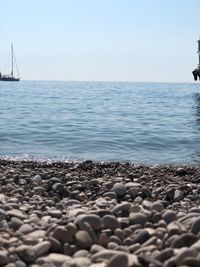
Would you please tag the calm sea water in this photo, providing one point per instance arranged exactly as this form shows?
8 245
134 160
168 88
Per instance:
138 122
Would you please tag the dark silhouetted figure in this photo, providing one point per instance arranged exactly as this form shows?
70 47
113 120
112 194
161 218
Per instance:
196 74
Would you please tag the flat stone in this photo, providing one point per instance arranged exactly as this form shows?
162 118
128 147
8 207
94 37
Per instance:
169 216
119 189
96 248
132 185
78 262
146 192
27 253
183 254
37 179
195 228
124 207
20 263
3 258
185 240
42 248
56 245
87 227
196 246
82 253
142 236
62 234
107 254
57 259
15 223
92 219
17 213
137 218
157 205
178 195
25 229
36 234
55 213
111 195
102 264
39 190
120 260
70 202
110 222
165 254
192 262
189 218
175 228
83 240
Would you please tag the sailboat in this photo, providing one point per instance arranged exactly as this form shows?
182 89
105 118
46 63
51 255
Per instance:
11 77
196 72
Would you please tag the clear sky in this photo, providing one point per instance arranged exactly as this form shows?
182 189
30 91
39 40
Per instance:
101 40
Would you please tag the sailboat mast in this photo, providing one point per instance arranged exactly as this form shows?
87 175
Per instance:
12 59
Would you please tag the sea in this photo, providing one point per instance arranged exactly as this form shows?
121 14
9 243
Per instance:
150 123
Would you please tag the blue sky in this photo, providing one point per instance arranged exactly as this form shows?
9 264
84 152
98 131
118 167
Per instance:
101 40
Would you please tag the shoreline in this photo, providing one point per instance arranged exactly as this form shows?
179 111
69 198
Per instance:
99 214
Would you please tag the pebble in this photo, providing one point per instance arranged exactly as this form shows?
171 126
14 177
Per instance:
25 229
137 218
15 223
183 254
169 216
3 258
37 179
141 237
195 228
62 234
178 195
17 213
119 189
165 254
120 260
26 253
158 206
123 207
77 262
55 258
92 219
184 240
83 240
110 222
55 213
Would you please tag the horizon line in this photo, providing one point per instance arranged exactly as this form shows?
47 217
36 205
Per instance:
104 81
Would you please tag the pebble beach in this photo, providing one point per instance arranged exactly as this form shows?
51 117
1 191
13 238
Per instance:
99 214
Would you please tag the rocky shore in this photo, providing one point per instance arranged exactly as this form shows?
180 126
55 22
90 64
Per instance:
90 214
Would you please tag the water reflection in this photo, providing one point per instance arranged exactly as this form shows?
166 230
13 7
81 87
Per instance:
196 152
197 107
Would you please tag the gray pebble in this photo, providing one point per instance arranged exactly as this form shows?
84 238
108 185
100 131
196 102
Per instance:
37 179
185 240
169 216
137 218
62 234
178 195
195 228
158 206
92 219
77 262
120 260
119 189
3 258
110 221
83 240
